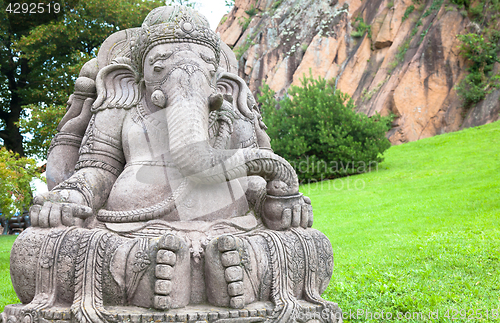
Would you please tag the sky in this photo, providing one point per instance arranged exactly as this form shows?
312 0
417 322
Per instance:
214 10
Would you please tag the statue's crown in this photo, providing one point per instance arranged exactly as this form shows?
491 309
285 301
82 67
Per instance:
173 24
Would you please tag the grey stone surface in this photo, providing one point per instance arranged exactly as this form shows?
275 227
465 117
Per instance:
167 202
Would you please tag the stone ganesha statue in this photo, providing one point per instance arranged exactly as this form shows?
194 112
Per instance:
166 202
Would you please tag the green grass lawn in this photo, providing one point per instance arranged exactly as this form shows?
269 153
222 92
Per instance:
419 235
7 294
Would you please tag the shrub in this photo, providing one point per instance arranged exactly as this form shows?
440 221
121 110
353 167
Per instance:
408 12
471 88
461 3
16 174
482 54
361 28
317 130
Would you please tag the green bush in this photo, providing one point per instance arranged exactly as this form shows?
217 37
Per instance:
481 52
317 130
460 3
471 88
408 12
361 28
482 55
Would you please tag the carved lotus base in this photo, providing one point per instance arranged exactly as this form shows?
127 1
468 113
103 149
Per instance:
256 312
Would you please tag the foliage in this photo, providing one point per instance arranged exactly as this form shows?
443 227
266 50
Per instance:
481 49
408 12
239 51
361 28
252 11
41 55
482 54
38 123
421 234
435 6
223 20
16 174
229 3
317 130
244 22
276 4
472 88
461 3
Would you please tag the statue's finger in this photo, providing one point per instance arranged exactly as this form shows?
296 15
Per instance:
76 107
286 218
43 216
311 218
55 215
82 211
304 219
307 200
34 213
86 110
39 199
73 110
67 218
296 215
88 103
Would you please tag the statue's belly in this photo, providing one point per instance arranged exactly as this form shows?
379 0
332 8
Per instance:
150 178
143 186
140 186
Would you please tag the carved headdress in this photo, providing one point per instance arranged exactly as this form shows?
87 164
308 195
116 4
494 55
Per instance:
172 24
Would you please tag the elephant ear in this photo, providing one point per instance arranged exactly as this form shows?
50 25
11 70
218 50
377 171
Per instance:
117 86
235 90
233 86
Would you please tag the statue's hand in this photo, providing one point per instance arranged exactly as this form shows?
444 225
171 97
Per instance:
284 212
59 208
78 116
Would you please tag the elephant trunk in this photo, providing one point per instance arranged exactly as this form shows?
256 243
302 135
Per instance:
187 119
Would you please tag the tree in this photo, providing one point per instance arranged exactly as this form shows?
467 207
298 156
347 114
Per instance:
15 176
318 131
41 55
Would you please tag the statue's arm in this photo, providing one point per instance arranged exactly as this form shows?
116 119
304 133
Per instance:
100 162
63 151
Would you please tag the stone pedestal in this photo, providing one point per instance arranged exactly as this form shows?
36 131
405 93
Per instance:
256 312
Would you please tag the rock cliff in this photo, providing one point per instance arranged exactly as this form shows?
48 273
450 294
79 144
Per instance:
399 57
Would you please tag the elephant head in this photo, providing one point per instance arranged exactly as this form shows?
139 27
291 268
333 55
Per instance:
174 67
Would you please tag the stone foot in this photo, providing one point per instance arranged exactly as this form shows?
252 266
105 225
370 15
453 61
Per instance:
230 272
170 273
230 248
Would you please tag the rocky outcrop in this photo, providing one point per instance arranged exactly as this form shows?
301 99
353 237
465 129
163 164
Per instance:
406 62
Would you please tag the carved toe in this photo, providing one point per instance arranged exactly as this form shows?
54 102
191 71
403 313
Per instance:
227 243
170 242
166 259
230 258
229 248
162 302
